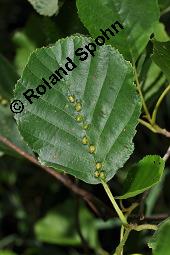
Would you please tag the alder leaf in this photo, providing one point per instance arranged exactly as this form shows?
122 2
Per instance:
143 176
44 7
103 114
160 240
8 78
8 127
161 56
137 17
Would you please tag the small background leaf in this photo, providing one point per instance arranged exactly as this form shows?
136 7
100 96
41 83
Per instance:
59 226
161 56
44 7
8 127
164 4
160 240
155 80
143 176
24 48
138 18
160 33
7 252
154 195
8 78
10 131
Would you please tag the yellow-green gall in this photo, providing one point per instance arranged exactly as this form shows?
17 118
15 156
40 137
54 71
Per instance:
85 126
97 174
79 118
4 102
102 175
85 140
78 107
98 165
92 149
71 99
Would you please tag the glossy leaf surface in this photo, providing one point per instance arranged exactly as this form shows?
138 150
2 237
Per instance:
143 176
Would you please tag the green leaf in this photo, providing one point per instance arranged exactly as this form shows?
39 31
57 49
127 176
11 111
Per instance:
8 78
10 131
153 196
7 252
137 17
164 4
154 81
24 48
143 176
8 127
59 226
44 7
103 90
55 228
1 153
161 57
160 240
160 33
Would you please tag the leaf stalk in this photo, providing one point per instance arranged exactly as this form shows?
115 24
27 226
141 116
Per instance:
115 205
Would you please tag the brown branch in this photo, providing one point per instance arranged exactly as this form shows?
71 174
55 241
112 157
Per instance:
151 219
99 208
142 205
164 132
167 154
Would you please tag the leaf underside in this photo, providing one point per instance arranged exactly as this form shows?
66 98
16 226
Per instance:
104 86
8 127
46 8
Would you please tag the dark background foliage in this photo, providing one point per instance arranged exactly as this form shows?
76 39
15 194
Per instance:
27 194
